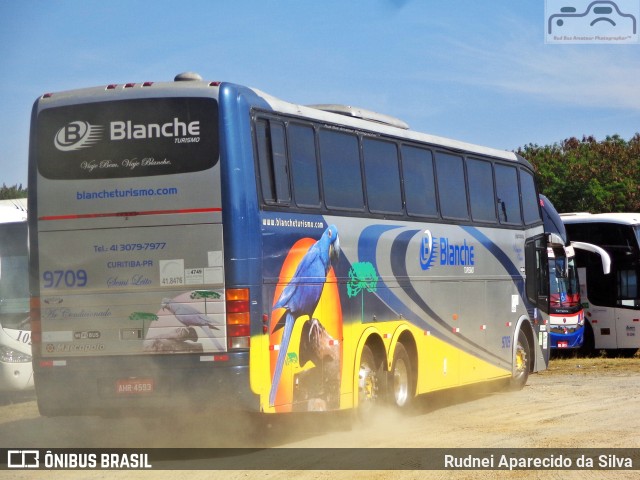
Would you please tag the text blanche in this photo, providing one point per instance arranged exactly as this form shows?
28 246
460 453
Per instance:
183 132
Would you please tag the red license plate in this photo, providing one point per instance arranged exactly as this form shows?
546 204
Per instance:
134 386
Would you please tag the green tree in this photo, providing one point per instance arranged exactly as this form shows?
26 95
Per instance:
7 193
362 276
589 175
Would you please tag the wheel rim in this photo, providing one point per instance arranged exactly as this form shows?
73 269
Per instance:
521 361
401 383
367 384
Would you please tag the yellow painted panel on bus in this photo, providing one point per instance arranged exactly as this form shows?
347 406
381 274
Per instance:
445 365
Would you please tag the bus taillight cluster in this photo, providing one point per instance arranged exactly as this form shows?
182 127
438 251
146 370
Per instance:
238 317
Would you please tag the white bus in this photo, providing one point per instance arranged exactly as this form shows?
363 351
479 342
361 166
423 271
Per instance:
16 373
204 244
611 300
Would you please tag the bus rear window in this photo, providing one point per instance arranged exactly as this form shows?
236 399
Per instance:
129 138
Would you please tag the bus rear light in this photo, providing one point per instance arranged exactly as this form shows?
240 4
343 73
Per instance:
112 86
238 330
53 363
214 84
47 95
129 85
147 84
238 343
238 318
237 306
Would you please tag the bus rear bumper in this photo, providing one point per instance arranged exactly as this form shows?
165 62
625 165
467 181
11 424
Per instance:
160 384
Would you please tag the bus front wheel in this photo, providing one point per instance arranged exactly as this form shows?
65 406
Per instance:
522 363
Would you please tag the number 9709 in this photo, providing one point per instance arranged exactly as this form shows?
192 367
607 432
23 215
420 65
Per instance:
67 278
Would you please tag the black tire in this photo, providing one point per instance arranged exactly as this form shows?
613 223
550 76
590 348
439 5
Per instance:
522 365
622 353
588 344
401 384
368 383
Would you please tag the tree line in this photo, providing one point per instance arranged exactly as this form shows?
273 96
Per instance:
16 191
589 175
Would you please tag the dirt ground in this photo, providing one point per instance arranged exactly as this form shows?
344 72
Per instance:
584 403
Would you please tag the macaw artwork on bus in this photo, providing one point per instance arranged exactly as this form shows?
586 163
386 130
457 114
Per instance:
184 323
306 327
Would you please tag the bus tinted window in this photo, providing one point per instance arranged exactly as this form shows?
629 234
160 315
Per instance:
481 191
279 156
419 184
304 171
273 162
14 278
382 176
452 190
264 159
508 195
341 175
627 287
530 205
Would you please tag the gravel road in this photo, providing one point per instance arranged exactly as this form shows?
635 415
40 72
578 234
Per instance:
588 404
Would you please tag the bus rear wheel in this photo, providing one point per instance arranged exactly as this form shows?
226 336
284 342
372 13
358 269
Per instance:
401 389
368 383
522 364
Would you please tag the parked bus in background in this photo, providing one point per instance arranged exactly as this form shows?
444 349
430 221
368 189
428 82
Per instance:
611 300
198 243
566 317
16 373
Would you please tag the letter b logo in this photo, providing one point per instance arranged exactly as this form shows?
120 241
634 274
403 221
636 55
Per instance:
77 135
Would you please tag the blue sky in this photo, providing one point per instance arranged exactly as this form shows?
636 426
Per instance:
465 69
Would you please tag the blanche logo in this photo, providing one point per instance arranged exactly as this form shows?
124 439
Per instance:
77 135
448 253
428 251
591 21
80 134
128 130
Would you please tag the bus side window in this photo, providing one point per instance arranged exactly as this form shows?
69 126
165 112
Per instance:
304 169
627 288
272 159
341 173
382 176
601 288
530 203
481 190
508 196
452 189
419 182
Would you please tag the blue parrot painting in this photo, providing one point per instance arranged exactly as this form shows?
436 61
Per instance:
191 317
301 295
